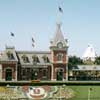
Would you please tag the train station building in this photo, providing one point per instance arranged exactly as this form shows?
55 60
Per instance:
36 65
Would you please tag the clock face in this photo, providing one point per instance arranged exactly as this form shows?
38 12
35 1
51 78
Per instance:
59 45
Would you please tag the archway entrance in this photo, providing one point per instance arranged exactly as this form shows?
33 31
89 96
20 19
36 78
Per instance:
8 74
59 74
34 75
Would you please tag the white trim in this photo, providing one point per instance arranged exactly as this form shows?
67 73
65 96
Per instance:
16 73
0 72
52 70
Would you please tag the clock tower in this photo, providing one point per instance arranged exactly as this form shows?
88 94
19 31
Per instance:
59 53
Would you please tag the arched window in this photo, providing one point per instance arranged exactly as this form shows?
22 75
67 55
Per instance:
23 71
60 75
59 57
10 55
44 72
25 59
35 59
8 74
46 59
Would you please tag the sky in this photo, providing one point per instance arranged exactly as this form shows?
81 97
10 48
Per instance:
38 18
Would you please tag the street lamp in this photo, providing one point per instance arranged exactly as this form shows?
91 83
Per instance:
89 93
64 86
60 92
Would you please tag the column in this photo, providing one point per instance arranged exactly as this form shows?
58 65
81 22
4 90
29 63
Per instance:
16 73
0 72
52 72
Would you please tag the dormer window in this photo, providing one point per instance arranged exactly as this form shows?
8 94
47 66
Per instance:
25 59
60 45
59 57
35 59
10 56
46 59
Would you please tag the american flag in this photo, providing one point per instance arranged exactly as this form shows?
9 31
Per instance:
60 9
32 45
33 42
12 34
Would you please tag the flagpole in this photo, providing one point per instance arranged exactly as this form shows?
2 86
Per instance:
60 92
59 12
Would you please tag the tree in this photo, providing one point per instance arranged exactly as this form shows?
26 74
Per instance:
73 61
97 60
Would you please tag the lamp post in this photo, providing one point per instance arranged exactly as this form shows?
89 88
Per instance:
89 93
60 92
64 87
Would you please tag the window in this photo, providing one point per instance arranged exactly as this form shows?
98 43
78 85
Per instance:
25 59
23 72
46 59
60 57
44 72
35 59
8 76
28 70
10 56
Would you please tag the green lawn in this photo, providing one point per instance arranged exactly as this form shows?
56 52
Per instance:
81 92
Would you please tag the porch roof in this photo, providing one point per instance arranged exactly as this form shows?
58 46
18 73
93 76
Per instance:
86 67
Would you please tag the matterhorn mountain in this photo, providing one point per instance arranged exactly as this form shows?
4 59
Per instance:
89 53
